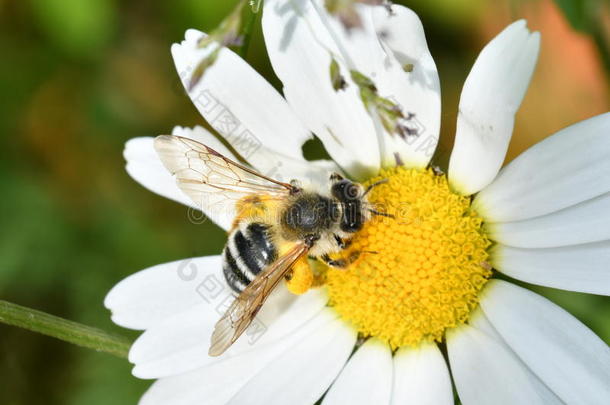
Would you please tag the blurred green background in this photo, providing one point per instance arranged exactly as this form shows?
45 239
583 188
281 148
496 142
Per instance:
79 78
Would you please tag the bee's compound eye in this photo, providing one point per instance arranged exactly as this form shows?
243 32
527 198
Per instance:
351 191
345 190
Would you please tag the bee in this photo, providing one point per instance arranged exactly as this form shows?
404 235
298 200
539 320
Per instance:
277 225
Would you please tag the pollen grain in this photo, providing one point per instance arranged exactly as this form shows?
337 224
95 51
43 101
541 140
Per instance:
419 272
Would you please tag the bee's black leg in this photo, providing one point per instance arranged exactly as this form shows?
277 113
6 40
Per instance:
344 262
341 242
334 263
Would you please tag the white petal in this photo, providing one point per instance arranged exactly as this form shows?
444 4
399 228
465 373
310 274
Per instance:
304 372
421 377
581 268
211 385
218 382
565 169
479 321
485 371
282 314
239 103
582 223
490 98
567 356
418 92
366 378
176 345
181 343
154 294
300 48
144 166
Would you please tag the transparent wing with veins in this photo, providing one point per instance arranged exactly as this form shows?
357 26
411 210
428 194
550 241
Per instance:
242 311
212 180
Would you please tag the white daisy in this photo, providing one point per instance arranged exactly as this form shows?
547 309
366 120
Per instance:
543 219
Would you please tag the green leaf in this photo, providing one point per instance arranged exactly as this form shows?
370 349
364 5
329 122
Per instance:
63 329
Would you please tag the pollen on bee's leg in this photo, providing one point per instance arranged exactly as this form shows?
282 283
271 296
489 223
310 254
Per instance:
301 277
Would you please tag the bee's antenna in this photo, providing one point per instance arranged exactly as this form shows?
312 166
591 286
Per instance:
377 183
381 214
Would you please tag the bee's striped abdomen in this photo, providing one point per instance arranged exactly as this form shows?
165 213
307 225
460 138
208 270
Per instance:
248 251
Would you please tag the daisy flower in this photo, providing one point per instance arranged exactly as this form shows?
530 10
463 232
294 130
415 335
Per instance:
428 312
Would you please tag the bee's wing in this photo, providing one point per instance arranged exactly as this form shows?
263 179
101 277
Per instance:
211 179
245 307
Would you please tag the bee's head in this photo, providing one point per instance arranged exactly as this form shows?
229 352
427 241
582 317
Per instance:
351 197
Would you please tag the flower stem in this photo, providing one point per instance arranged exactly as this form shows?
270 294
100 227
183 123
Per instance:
602 43
250 14
63 329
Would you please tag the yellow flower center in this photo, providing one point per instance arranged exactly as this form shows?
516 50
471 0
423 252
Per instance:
417 273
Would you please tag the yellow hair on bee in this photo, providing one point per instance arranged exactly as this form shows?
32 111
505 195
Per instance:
261 208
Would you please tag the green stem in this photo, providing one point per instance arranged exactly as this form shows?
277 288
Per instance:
602 45
63 329
251 9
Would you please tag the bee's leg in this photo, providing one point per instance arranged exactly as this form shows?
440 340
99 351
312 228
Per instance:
340 263
346 261
296 186
342 243
310 239
299 278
